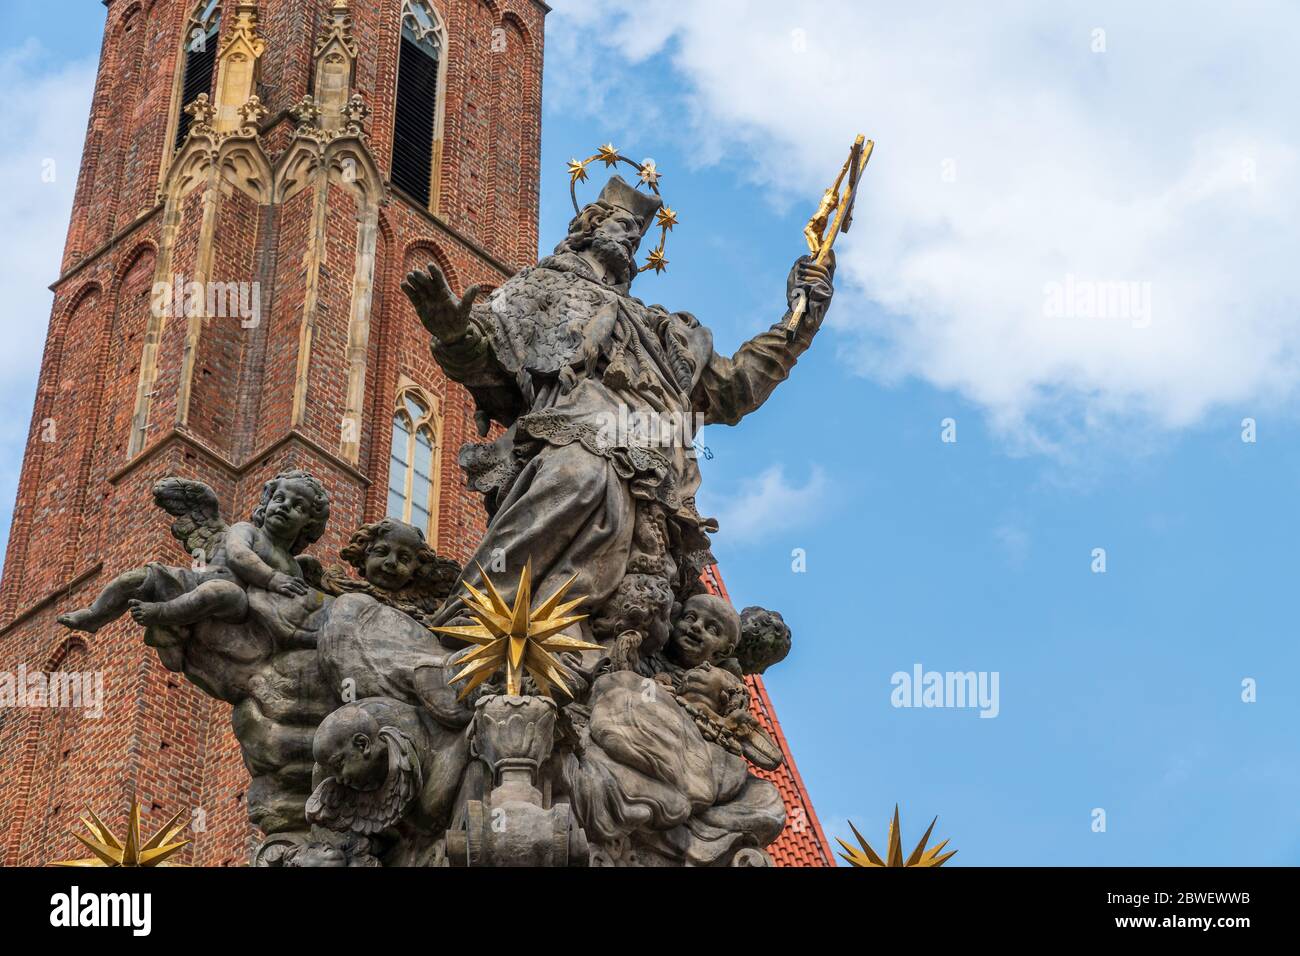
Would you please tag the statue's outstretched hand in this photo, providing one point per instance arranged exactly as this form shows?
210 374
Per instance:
445 316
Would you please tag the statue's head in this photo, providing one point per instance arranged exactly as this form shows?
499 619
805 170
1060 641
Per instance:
390 554
643 603
317 854
610 229
707 630
349 747
294 509
764 640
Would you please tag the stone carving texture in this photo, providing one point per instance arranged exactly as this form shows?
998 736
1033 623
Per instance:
361 748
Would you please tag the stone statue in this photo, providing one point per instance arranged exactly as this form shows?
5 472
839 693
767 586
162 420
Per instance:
260 552
347 692
560 355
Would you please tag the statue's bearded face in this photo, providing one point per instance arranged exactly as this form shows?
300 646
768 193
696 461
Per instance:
610 235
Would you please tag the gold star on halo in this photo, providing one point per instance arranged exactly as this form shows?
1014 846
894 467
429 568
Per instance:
864 856
515 637
650 175
656 260
666 217
578 170
608 154
110 851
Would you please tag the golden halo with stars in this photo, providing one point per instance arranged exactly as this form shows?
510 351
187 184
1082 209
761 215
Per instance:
648 175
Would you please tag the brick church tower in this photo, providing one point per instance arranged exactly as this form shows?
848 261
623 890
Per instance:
291 160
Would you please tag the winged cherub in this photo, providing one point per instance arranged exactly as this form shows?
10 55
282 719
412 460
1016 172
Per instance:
261 552
368 766
396 567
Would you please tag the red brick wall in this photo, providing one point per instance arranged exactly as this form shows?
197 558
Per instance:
84 512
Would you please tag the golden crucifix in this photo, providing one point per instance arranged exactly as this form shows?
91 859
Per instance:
821 231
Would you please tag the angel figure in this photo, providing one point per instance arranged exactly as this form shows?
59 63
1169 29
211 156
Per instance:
369 766
261 552
702 672
397 568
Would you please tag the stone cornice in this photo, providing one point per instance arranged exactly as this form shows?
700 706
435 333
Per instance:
182 436
45 601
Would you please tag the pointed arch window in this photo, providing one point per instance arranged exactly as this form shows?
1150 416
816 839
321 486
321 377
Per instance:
198 60
413 461
417 126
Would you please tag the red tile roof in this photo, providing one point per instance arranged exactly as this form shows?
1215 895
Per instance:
802 842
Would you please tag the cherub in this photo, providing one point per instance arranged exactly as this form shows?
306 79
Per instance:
321 848
764 640
261 552
705 678
368 766
397 567
635 620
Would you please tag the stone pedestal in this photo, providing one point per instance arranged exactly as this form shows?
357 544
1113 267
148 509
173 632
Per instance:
512 825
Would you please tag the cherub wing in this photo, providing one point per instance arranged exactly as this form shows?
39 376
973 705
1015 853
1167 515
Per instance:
370 811
198 525
332 805
404 776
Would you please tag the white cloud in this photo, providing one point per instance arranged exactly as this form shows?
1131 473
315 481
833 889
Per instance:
1014 541
1171 159
770 503
44 118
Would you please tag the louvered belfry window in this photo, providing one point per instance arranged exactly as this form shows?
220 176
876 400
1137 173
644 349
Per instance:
415 126
199 57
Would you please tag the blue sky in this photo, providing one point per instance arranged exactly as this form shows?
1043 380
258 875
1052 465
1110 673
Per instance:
1014 150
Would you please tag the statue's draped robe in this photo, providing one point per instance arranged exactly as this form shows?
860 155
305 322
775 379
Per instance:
572 366
562 360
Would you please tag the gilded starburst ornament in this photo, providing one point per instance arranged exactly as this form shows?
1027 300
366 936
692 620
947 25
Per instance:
666 217
111 851
577 171
650 174
863 855
608 154
516 638
655 260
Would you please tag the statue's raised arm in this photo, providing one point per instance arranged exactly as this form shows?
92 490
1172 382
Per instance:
731 388
462 344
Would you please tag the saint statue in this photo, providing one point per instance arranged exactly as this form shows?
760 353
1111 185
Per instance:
599 397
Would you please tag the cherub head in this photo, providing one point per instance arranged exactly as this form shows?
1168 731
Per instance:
707 631
390 554
293 510
349 747
764 640
369 769
642 603
317 854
